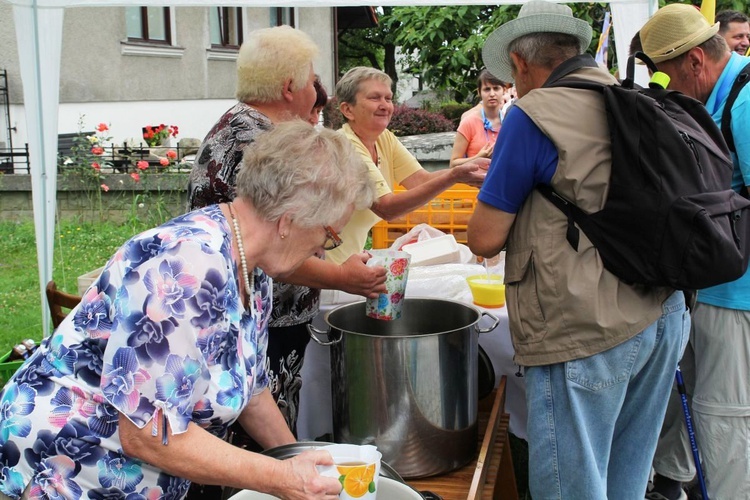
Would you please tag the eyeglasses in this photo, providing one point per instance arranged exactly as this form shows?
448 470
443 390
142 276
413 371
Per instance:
333 240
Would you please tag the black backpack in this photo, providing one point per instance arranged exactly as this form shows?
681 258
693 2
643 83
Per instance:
670 217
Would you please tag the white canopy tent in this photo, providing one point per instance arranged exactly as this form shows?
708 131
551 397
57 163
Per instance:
39 24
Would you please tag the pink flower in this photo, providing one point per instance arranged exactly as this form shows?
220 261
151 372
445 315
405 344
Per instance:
97 150
398 266
105 188
96 166
163 162
142 165
136 177
171 154
102 127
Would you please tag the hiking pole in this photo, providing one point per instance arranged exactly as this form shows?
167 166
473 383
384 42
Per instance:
691 432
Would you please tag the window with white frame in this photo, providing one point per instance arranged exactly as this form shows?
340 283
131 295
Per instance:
149 24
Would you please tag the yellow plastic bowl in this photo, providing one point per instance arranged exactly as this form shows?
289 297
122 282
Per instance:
487 291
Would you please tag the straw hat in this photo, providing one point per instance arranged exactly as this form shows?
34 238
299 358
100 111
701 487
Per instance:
673 30
536 16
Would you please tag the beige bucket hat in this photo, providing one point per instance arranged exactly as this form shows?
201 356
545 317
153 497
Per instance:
536 16
673 30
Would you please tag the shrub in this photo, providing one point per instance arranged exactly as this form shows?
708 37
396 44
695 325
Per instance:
410 121
405 120
332 117
454 110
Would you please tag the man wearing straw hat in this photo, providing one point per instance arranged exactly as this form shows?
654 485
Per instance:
599 355
717 359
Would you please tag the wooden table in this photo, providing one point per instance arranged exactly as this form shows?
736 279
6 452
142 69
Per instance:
490 475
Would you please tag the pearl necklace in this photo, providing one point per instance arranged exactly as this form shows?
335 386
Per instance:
249 278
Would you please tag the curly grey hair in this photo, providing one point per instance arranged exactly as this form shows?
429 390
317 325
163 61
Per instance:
348 86
268 58
313 174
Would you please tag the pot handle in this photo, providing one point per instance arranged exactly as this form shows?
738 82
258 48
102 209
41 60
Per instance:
495 321
312 330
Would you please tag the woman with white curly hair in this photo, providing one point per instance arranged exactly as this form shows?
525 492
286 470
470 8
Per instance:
134 393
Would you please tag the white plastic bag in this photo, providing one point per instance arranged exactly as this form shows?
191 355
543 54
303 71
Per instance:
496 264
442 281
417 233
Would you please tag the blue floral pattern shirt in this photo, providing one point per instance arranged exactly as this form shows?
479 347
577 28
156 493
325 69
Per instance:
160 336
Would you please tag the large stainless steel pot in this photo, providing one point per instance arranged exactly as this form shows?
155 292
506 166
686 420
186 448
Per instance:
408 386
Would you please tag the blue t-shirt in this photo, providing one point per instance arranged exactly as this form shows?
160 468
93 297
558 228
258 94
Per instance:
523 157
735 294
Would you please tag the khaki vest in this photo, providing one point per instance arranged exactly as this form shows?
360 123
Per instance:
563 304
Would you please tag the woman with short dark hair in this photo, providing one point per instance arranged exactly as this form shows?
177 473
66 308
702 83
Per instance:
478 131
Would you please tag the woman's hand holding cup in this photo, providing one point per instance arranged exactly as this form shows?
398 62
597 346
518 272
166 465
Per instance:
303 470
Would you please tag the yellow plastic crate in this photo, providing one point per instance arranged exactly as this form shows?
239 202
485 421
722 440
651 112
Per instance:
448 212
8 368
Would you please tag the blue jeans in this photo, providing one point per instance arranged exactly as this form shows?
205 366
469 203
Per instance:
594 422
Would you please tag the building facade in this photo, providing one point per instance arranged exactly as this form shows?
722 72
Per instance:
130 67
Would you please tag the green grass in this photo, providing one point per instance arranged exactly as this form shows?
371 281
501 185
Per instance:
79 248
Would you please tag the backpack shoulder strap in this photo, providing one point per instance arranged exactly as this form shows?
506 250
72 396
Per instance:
629 81
570 210
726 116
577 83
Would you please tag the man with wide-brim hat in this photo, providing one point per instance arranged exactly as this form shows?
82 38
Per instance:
716 363
534 17
599 355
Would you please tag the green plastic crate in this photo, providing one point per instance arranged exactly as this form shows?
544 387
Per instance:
8 368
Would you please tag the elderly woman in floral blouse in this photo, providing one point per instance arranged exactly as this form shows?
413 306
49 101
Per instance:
133 394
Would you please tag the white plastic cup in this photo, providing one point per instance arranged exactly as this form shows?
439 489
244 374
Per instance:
356 467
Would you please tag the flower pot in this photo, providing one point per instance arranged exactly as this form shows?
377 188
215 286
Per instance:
159 136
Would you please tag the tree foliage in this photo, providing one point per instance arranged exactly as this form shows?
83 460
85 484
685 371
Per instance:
372 47
444 44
